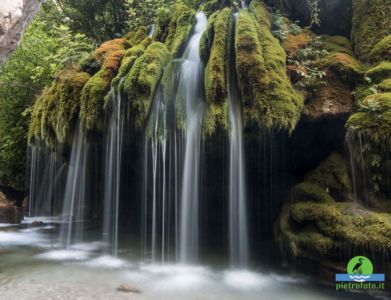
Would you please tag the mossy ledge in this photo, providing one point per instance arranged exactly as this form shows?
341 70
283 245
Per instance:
269 100
57 109
141 81
215 79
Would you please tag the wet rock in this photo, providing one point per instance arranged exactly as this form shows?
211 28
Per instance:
126 288
9 212
37 223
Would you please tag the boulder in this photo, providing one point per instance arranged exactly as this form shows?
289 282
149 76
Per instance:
9 212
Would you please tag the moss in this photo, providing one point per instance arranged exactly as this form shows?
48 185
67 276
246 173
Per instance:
135 37
216 74
346 66
179 29
371 23
130 57
380 71
141 81
307 191
381 51
293 43
56 110
94 92
337 43
207 38
385 85
346 222
373 121
210 7
269 99
108 47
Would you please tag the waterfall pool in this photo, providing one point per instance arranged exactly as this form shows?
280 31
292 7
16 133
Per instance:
34 266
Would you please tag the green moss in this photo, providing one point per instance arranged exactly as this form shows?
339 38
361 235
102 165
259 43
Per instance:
380 71
130 57
210 7
371 23
207 38
56 110
385 85
307 191
108 47
135 37
94 92
373 121
346 222
179 29
382 50
337 43
141 81
216 74
346 66
269 100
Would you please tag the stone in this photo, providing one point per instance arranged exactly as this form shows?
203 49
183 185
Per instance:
126 288
9 213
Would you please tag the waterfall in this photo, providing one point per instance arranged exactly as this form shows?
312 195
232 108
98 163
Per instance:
152 30
237 175
74 205
46 170
243 4
192 71
172 158
112 172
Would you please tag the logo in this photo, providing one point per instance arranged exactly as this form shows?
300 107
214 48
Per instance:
359 276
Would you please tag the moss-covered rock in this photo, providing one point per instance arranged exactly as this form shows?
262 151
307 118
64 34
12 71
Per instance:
331 100
269 100
211 6
373 120
216 73
207 38
141 81
337 43
379 72
108 47
95 90
371 23
318 224
55 112
381 51
179 28
9 213
346 66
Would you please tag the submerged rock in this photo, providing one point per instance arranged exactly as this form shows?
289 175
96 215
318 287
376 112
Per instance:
129 289
9 213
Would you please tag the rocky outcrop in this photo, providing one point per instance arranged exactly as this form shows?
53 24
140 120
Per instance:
9 212
15 16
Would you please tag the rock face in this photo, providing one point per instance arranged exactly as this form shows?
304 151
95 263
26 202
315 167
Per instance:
15 15
334 14
9 213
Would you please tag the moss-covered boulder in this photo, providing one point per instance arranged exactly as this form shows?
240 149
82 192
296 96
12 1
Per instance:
56 111
293 43
320 222
140 82
371 23
337 43
344 65
385 85
216 71
269 100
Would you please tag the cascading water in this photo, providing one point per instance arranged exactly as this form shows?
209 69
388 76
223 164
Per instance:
191 78
237 175
46 172
112 173
73 213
